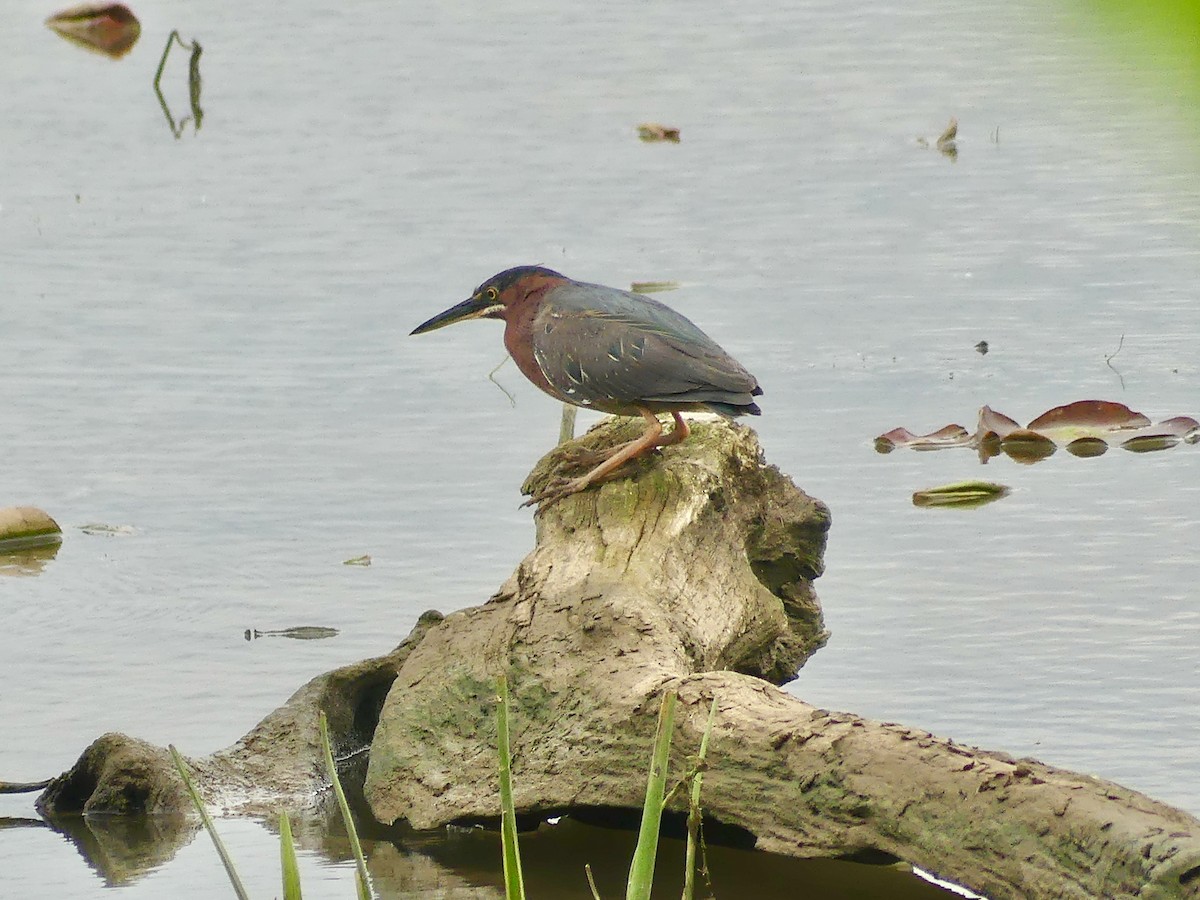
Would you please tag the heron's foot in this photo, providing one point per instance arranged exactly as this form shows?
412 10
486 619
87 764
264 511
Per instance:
554 490
559 487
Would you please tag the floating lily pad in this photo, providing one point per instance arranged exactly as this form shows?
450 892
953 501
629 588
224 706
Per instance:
108 28
961 494
950 436
1087 418
1085 428
992 422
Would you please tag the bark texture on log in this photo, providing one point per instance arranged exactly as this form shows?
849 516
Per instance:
694 574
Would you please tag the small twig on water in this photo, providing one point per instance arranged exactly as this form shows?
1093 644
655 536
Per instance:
194 83
1109 358
507 393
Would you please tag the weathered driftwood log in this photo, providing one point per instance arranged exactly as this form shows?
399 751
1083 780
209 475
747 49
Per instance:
692 575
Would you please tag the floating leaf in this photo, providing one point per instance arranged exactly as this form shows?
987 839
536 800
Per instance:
1185 426
1165 434
1086 418
364 560
109 530
653 287
992 422
651 132
961 494
946 141
108 28
950 436
1085 428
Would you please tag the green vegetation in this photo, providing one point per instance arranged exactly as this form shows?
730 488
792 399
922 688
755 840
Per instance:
641 869
287 849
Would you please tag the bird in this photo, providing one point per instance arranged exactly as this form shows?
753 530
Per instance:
611 350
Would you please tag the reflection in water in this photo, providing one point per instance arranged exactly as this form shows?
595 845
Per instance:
123 848
20 822
27 562
467 861
296 633
194 83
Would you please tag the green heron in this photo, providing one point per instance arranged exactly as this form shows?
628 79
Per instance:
601 348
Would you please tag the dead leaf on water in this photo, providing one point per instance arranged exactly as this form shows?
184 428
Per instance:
651 132
108 28
961 494
364 560
108 530
653 287
946 142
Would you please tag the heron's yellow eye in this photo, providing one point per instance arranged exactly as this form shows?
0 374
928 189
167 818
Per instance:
491 295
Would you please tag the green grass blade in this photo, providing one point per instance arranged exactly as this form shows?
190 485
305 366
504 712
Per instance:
287 858
587 867
641 871
362 880
514 880
694 815
226 860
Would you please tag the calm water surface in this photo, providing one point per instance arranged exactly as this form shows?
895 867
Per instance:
205 340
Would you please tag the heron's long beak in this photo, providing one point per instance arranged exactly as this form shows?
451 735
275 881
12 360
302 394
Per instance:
474 308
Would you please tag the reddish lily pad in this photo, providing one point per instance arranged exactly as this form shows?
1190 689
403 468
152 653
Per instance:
950 436
1087 418
992 422
1085 428
108 28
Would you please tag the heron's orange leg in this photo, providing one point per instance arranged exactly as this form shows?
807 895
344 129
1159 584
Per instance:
578 459
615 458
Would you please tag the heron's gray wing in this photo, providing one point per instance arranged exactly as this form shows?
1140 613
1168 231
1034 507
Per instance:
610 349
